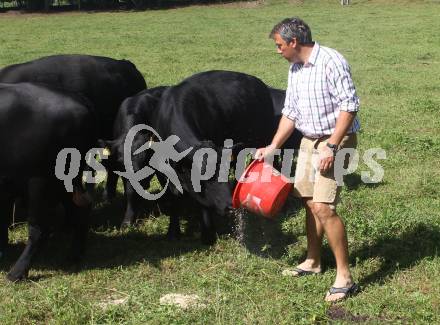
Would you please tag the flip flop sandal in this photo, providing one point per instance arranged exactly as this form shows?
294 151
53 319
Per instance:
301 272
347 291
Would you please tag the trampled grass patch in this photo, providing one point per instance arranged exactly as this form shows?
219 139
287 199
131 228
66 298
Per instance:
393 226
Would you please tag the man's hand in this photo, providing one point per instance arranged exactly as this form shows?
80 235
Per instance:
265 152
326 159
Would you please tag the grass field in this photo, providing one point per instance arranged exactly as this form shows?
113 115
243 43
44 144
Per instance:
393 227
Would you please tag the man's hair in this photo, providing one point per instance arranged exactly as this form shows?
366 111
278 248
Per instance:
291 28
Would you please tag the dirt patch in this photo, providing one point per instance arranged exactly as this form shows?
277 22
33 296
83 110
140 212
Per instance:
112 302
182 301
336 312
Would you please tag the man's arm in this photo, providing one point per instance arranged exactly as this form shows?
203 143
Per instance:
285 129
341 86
343 124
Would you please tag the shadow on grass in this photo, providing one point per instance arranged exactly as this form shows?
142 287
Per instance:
400 252
354 181
104 251
107 215
262 236
397 252
109 247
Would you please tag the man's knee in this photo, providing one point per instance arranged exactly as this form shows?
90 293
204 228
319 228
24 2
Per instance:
323 211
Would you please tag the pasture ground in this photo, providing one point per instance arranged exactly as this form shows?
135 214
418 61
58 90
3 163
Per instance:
393 227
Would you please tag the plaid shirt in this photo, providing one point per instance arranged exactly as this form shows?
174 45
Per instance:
318 90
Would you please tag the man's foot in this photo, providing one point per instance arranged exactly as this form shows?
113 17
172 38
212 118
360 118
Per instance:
305 268
338 294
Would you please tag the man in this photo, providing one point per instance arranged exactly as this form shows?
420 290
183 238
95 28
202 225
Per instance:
321 102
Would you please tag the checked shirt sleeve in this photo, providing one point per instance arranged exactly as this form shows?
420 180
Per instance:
289 109
341 85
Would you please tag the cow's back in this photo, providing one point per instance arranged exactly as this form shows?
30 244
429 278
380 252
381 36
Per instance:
217 105
33 129
104 81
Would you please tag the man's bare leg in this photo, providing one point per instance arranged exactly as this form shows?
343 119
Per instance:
335 231
315 232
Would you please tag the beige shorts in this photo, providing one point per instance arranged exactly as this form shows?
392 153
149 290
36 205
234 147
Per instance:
309 182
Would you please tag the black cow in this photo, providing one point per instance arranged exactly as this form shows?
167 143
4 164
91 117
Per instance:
203 111
140 109
105 82
133 111
278 97
35 124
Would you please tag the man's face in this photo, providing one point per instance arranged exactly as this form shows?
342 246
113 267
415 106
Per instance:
287 50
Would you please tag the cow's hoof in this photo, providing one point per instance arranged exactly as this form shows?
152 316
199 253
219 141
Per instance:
15 276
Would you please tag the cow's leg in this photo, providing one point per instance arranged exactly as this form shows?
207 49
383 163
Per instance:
84 167
174 232
133 205
38 200
110 186
6 208
77 211
193 225
170 205
20 269
208 235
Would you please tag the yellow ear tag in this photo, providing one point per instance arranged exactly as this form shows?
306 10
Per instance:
150 143
106 152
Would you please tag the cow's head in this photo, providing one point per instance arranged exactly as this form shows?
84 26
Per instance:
134 111
204 176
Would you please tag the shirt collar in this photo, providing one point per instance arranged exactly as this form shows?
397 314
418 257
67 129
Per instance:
310 62
313 56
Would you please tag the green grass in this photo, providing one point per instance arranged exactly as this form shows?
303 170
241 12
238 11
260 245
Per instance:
393 227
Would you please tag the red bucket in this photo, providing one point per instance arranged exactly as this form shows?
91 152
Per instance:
264 191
